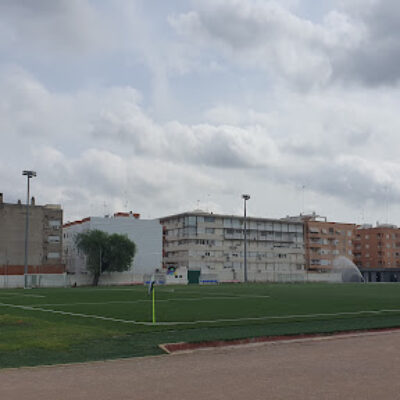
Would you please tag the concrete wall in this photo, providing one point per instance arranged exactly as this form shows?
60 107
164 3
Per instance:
66 280
325 277
129 278
107 279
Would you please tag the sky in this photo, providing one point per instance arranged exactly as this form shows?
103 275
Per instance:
161 107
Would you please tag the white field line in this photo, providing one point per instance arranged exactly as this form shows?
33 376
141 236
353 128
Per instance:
273 317
213 292
101 289
29 308
143 301
20 294
165 290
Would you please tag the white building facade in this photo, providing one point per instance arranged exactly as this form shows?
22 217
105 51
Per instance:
146 234
212 246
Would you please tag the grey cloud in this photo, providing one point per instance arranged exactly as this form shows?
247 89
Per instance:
99 181
220 150
359 41
71 26
218 146
374 60
305 138
351 178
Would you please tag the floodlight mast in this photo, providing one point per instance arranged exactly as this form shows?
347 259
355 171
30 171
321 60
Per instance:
245 197
29 175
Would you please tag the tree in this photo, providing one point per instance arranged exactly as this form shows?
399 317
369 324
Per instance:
105 252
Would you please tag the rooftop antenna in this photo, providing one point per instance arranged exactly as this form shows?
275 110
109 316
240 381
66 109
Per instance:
387 202
302 211
126 200
198 204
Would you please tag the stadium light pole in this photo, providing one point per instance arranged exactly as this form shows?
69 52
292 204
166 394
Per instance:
245 197
29 175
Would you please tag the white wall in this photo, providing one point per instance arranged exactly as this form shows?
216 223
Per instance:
179 277
146 234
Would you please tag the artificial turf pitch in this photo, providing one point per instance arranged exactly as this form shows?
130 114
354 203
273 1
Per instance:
47 326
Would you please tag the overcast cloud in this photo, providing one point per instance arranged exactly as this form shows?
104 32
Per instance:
163 107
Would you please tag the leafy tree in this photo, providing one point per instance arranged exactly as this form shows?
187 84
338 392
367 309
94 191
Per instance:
105 252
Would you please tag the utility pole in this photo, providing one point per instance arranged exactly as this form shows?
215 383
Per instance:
245 197
29 175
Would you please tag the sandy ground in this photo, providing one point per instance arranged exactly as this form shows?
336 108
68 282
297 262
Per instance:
355 367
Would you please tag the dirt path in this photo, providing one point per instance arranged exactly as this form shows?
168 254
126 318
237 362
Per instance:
362 367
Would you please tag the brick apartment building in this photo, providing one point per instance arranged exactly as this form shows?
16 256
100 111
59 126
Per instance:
324 241
45 239
377 247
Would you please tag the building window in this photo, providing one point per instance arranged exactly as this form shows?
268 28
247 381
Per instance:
53 239
53 255
55 223
209 219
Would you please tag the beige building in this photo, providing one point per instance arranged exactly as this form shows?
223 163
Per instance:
45 238
212 246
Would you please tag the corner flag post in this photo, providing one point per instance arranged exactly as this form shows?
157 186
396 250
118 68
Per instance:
153 295
154 305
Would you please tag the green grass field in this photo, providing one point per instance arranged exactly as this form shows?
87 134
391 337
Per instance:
46 326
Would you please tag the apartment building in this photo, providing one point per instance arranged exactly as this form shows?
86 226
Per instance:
377 247
45 239
325 240
145 233
210 244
